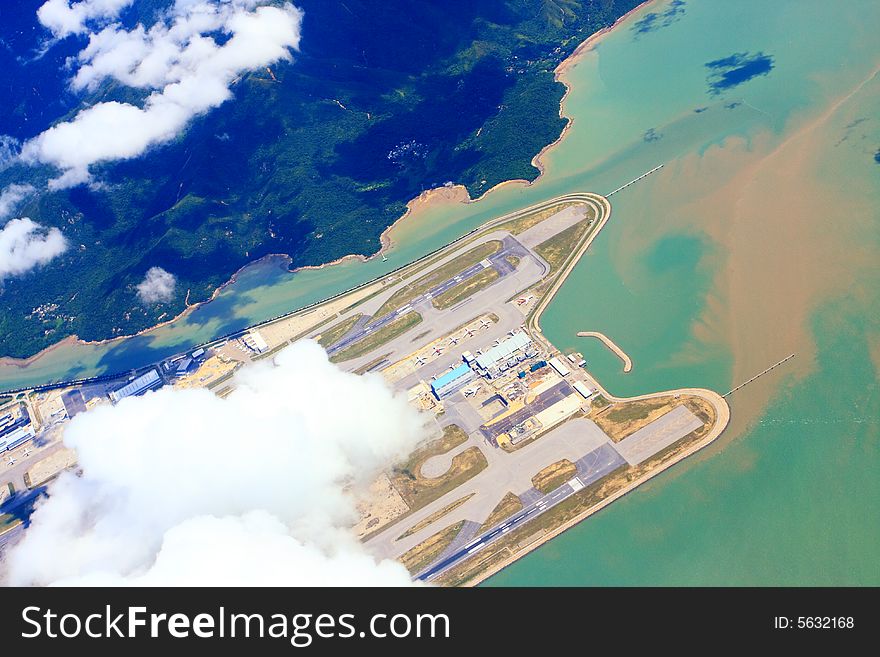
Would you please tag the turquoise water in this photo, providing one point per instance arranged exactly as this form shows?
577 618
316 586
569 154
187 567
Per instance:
790 494
793 502
758 238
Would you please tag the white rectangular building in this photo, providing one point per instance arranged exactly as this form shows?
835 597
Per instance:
559 366
17 437
254 341
496 358
582 388
135 387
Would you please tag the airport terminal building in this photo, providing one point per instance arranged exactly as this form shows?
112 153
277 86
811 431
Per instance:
506 354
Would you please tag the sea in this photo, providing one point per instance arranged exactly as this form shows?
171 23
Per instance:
758 238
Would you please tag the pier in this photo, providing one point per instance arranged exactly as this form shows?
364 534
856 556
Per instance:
758 375
608 342
635 180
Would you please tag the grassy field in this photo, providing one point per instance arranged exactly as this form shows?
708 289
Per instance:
378 338
442 273
559 247
625 418
521 224
554 475
508 505
8 522
465 289
422 555
363 369
434 517
337 331
418 491
599 402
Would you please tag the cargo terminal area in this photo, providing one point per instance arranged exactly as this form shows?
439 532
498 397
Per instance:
510 390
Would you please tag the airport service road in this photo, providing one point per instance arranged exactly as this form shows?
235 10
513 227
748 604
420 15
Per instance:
593 466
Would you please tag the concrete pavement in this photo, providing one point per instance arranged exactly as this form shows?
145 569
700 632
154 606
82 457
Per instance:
507 472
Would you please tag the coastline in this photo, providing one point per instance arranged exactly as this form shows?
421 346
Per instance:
444 194
75 339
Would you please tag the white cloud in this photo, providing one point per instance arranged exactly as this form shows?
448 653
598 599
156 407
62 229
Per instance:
25 244
64 17
12 196
157 286
259 488
188 72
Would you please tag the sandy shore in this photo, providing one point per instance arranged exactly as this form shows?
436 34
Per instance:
458 193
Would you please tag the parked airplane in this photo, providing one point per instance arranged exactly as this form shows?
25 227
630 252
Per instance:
453 340
419 361
438 351
485 324
469 392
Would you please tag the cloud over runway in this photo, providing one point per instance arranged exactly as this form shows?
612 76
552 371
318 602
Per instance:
184 487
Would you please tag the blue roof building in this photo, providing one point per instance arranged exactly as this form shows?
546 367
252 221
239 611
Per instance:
450 382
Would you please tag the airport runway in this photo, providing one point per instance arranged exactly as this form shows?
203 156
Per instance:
507 472
598 463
